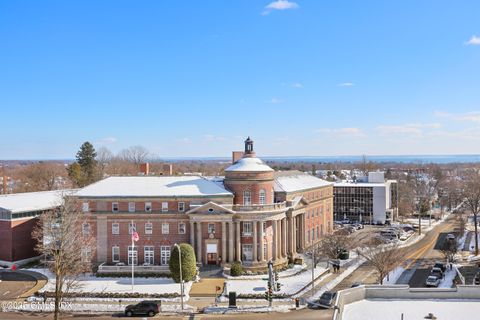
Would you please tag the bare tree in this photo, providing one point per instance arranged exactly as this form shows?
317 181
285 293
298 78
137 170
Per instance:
449 249
383 258
135 154
104 158
332 245
471 194
42 176
65 239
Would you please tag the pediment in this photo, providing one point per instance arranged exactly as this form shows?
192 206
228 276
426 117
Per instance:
299 201
210 208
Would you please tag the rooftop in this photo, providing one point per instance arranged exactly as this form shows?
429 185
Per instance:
249 164
147 186
358 184
292 181
32 201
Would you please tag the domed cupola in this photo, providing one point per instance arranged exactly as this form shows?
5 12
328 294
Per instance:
250 179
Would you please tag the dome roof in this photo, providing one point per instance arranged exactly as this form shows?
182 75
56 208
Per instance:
249 164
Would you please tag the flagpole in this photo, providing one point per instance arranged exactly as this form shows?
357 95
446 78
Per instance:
133 251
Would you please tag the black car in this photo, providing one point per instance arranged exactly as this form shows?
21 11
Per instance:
149 308
327 299
440 265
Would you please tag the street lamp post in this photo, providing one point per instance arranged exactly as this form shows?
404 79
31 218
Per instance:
181 278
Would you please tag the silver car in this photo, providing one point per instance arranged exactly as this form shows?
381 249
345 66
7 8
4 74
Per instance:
432 281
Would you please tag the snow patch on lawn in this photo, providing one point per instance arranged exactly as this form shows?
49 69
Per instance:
92 284
247 308
393 276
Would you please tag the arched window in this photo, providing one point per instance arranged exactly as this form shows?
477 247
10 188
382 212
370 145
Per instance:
247 198
262 197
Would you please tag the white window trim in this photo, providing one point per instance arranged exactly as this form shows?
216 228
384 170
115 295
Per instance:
184 228
86 232
151 228
247 195
131 207
183 206
164 206
148 207
152 254
113 205
262 197
113 254
168 228
244 233
118 227
86 207
211 230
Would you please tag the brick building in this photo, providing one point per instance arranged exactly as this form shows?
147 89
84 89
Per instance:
252 215
19 214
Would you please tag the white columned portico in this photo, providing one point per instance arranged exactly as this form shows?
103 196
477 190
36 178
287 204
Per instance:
224 242
199 242
274 240
238 244
261 241
255 243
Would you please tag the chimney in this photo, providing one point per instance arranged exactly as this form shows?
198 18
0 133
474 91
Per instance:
167 169
237 155
145 168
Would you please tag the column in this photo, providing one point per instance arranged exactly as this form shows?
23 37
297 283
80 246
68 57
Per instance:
279 239
199 242
290 236
192 234
260 236
294 235
274 240
230 242
255 243
238 244
224 242
284 238
303 232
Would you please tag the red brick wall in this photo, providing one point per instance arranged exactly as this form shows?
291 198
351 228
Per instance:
23 244
5 241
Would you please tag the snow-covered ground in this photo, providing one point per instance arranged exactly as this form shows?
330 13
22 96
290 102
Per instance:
447 281
296 269
252 308
393 275
92 284
258 286
412 309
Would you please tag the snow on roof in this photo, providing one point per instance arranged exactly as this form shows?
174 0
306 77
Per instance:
358 184
32 201
249 164
153 187
291 181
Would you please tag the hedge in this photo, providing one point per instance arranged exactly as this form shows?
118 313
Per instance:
189 267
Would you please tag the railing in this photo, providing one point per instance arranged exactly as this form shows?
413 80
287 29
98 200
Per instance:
259 207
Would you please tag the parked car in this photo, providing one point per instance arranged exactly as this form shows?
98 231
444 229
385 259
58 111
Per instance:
450 237
358 226
345 221
327 299
440 265
149 308
437 272
356 284
476 280
432 281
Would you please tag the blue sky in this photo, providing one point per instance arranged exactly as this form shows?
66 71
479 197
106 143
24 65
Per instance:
194 78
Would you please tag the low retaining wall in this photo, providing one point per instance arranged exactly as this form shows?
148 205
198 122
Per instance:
401 292
106 269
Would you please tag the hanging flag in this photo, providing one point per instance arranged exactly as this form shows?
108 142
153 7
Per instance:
135 236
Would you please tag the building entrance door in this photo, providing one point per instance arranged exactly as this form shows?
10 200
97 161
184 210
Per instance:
211 253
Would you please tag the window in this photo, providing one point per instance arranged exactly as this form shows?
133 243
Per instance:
131 227
181 206
265 248
264 228
131 207
86 229
262 197
115 228
148 207
86 254
148 228
164 206
211 228
132 255
165 228
85 207
181 228
115 254
247 229
114 206
247 198
148 254
164 255
247 252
